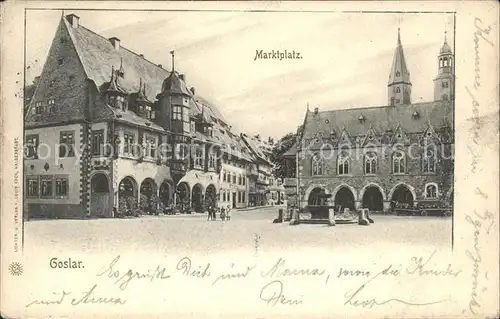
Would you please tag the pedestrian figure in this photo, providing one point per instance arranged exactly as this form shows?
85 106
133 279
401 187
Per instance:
209 211
223 214
228 213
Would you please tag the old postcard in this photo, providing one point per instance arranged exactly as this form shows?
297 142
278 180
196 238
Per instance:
249 160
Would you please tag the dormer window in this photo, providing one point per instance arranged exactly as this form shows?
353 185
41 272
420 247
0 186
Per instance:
209 131
397 73
117 101
147 111
50 106
415 115
38 107
361 119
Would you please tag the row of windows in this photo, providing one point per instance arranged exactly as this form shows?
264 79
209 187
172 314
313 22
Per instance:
228 177
66 144
226 196
370 164
199 158
47 186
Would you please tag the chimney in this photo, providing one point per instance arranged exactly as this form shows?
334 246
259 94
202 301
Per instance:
115 42
36 80
182 77
73 19
161 66
141 55
193 90
316 110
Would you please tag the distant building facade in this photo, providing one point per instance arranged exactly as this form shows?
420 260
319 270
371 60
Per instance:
264 188
381 157
107 130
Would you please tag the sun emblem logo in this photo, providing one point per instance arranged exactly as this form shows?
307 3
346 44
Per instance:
15 269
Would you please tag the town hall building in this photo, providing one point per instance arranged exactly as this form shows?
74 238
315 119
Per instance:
398 154
109 131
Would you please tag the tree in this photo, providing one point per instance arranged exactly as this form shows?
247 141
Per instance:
280 148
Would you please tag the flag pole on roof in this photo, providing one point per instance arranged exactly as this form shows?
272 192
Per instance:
173 60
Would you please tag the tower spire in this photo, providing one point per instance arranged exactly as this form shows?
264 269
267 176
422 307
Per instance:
399 85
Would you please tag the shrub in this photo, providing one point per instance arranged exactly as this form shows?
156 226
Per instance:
143 202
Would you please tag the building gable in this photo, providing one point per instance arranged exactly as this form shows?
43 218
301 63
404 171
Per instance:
371 138
429 136
61 93
345 139
400 137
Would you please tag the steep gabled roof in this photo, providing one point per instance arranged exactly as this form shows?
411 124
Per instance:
413 118
292 151
98 56
213 110
252 145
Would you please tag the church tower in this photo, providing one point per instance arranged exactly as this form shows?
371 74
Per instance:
399 86
445 80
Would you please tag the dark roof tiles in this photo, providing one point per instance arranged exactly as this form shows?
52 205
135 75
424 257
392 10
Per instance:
380 119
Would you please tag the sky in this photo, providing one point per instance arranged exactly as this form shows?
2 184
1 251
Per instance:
346 56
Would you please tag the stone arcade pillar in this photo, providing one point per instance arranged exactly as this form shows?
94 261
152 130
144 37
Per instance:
357 205
387 206
331 211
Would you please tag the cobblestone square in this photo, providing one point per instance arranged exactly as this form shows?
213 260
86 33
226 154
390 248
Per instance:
193 233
